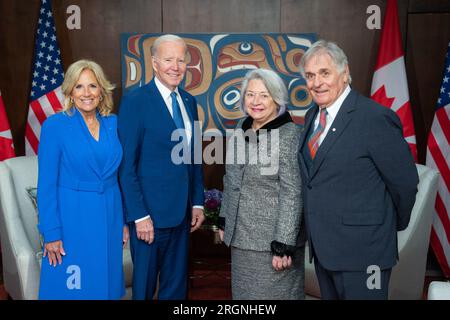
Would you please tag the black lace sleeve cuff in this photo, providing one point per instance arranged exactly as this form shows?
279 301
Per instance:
221 223
281 249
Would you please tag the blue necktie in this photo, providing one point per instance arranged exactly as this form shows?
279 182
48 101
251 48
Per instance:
176 111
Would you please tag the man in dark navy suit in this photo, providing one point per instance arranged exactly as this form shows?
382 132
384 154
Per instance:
359 180
163 196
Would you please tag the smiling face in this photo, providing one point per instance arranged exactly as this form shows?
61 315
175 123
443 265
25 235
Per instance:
323 79
259 103
169 63
86 92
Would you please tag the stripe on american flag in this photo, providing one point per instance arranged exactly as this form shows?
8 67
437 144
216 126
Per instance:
437 158
46 97
440 209
39 111
31 142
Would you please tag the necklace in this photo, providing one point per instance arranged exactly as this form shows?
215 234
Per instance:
93 129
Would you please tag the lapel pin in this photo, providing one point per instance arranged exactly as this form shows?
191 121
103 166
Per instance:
334 129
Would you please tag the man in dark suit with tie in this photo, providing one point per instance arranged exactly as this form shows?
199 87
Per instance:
359 180
162 189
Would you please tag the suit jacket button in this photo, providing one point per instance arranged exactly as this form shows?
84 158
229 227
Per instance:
309 186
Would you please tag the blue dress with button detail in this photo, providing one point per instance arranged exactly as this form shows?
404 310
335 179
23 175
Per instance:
79 202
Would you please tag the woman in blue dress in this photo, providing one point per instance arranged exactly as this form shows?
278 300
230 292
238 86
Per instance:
79 201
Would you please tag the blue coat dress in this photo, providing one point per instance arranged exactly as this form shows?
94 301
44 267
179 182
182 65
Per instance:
79 202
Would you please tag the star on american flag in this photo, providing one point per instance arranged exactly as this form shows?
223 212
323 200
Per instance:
45 95
438 151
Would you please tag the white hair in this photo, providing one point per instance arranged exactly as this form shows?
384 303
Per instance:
274 84
326 47
166 38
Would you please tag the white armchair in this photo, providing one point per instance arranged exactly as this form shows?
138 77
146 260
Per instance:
408 276
439 290
19 233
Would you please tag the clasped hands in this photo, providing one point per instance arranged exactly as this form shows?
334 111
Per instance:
278 263
281 263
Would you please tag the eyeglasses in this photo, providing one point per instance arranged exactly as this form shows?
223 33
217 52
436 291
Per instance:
261 95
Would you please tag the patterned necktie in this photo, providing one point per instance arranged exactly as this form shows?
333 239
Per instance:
313 141
176 111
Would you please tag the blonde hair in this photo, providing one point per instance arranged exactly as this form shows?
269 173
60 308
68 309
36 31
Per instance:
73 74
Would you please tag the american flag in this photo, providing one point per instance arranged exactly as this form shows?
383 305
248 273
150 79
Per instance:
389 84
45 96
438 157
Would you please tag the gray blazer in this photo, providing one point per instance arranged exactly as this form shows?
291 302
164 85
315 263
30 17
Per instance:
262 198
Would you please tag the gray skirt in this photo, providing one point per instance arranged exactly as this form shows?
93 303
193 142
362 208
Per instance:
254 278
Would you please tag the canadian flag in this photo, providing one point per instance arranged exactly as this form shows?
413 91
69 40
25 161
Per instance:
6 141
389 83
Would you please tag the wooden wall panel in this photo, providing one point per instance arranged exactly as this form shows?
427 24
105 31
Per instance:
428 38
343 22
425 27
429 6
181 16
102 22
17 29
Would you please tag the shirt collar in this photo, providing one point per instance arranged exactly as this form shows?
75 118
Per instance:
165 92
335 106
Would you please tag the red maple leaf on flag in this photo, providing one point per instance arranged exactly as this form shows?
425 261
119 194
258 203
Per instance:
389 83
6 141
381 97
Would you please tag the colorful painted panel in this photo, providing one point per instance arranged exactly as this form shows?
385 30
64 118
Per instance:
217 64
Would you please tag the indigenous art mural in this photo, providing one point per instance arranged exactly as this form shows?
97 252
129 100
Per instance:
216 66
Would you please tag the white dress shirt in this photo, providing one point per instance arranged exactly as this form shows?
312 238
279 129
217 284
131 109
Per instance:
165 93
331 113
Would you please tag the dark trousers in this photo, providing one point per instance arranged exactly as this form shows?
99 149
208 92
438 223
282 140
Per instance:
167 256
351 285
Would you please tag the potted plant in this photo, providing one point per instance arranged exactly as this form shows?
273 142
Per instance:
213 201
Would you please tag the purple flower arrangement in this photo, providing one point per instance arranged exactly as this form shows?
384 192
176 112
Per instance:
213 200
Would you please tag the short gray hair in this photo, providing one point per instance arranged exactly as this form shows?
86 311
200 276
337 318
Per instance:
165 38
326 47
274 84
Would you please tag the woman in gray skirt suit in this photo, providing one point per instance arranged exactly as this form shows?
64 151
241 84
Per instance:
261 213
